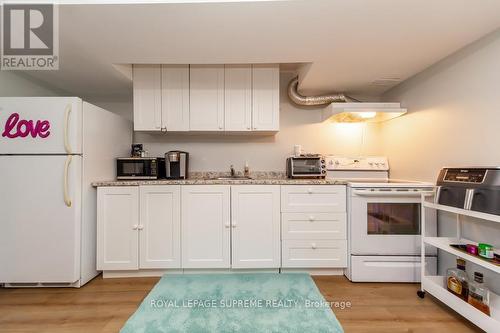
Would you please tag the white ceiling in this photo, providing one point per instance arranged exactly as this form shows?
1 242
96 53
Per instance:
345 44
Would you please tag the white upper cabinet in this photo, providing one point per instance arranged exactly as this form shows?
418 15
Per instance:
265 99
160 226
238 97
147 97
175 97
255 214
206 98
205 226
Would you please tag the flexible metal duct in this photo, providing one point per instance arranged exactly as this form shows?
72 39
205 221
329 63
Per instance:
314 100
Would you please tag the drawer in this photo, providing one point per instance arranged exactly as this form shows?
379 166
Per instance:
313 225
389 268
318 253
315 198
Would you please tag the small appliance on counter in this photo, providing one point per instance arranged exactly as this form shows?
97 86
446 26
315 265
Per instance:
140 168
306 166
137 150
176 164
476 189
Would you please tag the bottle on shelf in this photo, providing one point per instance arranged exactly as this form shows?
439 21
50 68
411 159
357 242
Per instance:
457 281
479 295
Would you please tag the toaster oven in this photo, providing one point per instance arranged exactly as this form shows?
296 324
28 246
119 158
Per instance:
306 166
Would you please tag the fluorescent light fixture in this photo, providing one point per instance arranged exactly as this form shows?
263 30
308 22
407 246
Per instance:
362 112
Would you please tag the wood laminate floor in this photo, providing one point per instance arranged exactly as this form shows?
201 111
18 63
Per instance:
103 306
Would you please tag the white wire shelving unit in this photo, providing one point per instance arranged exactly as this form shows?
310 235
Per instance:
436 285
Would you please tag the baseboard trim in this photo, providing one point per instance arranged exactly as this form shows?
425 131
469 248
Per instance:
315 271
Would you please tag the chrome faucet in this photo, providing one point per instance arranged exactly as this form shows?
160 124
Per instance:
233 173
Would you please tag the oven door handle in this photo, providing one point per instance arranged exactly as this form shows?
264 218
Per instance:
369 193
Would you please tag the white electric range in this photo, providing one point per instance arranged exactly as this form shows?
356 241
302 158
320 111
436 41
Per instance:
384 221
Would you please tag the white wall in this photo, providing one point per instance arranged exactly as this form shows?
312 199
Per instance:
454 114
19 84
14 84
453 120
268 153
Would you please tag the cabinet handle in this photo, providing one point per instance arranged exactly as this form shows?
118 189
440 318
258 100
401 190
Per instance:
233 225
140 227
311 218
313 246
227 225
309 190
135 226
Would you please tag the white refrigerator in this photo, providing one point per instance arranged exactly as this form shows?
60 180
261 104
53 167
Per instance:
51 150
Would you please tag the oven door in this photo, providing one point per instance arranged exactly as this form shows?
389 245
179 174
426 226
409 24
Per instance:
385 221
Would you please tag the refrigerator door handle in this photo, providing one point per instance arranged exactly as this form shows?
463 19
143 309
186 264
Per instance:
67 199
66 128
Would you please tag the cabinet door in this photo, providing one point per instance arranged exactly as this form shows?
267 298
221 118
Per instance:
265 97
206 98
159 228
175 97
255 226
147 97
205 226
117 224
238 97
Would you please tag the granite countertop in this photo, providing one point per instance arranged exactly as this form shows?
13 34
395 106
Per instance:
208 178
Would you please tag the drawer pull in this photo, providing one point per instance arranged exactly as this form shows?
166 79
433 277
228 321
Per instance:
313 246
311 218
309 190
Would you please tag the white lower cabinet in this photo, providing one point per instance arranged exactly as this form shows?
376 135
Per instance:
255 235
315 253
160 226
157 227
314 226
206 226
138 227
117 225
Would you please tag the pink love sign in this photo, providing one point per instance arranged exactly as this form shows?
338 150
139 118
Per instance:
15 128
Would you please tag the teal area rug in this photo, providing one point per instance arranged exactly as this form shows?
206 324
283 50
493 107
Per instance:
234 303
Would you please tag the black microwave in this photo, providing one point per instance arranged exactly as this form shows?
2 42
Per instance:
130 168
306 166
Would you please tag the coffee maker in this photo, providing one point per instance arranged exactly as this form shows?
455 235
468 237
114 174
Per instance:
176 164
